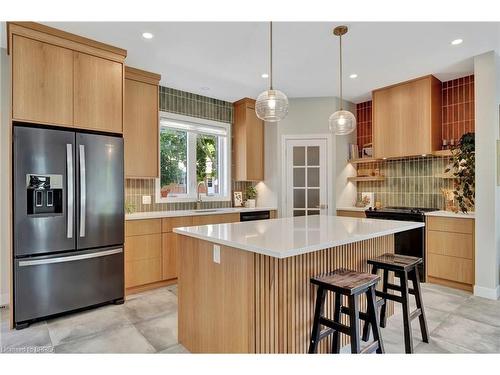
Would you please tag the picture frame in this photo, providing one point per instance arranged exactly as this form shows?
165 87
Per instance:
238 198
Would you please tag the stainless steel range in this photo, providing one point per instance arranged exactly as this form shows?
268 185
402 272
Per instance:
411 242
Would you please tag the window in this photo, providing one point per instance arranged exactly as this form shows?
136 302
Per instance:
194 154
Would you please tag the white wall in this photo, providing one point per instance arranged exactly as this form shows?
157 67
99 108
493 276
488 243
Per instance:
487 100
307 116
4 182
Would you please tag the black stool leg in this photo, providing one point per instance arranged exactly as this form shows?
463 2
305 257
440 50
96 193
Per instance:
366 327
403 276
415 278
373 318
383 309
318 311
336 318
354 323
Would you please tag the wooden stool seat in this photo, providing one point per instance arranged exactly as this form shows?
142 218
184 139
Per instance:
345 281
352 284
405 268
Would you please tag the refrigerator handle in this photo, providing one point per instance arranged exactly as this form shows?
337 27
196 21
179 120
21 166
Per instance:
83 191
71 190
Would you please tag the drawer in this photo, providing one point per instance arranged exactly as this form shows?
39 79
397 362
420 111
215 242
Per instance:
449 224
141 272
450 268
170 223
451 244
143 247
347 213
216 219
141 227
169 256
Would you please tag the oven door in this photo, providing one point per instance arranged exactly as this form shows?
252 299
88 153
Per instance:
412 243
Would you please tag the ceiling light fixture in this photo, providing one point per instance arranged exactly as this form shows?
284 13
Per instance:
341 122
456 42
264 75
353 76
147 35
271 105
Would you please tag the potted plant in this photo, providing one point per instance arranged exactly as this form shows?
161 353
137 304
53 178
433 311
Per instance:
251 195
463 170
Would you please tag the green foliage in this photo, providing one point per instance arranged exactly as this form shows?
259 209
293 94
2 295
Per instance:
206 150
173 149
463 165
251 192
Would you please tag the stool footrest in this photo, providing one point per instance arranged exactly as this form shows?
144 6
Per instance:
370 348
389 296
415 314
395 287
334 325
325 333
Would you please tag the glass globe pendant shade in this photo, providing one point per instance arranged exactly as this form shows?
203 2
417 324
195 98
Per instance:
342 122
271 106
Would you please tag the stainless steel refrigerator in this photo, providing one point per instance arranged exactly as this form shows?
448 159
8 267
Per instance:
68 214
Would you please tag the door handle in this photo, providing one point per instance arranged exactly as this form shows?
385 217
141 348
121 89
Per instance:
24 263
83 191
71 191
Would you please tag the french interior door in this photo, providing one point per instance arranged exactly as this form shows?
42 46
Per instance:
306 177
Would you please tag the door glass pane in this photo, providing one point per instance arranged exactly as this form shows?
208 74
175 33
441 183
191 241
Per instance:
299 213
313 177
299 198
173 161
299 177
312 212
312 198
313 155
299 156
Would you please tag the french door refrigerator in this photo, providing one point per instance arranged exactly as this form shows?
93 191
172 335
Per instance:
68 210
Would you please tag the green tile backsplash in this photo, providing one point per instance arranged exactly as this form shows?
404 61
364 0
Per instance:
189 104
414 182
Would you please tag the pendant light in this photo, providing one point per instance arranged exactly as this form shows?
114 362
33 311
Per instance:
271 105
341 122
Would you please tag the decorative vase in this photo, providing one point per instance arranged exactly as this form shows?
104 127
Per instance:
250 203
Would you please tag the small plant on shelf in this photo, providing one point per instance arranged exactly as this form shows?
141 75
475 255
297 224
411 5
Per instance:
463 170
251 193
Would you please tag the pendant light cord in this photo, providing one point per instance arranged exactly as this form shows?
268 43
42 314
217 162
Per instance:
340 70
271 55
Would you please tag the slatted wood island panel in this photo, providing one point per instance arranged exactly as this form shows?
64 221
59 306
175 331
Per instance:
255 303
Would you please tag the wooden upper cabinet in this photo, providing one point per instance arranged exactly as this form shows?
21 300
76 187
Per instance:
248 142
407 118
42 76
98 99
64 79
140 126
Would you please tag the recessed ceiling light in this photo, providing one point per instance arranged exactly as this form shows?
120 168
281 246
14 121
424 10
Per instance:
353 76
456 42
264 75
147 35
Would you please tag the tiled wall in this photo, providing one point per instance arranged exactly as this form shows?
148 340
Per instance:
184 103
364 123
413 182
458 108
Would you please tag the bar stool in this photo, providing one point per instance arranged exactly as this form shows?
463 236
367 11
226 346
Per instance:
405 268
352 284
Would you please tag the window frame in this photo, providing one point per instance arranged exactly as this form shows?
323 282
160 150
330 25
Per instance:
224 160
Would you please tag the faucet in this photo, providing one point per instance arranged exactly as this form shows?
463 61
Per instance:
198 199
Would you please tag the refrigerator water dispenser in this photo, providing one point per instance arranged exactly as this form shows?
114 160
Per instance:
44 194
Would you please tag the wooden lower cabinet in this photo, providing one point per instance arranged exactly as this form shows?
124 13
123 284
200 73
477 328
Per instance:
348 213
169 256
143 260
450 252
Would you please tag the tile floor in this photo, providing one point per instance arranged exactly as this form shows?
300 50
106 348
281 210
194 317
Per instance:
147 323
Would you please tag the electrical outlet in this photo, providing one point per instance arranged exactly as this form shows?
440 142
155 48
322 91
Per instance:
216 254
146 199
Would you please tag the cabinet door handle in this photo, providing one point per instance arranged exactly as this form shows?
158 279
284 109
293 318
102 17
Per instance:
71 190
83 191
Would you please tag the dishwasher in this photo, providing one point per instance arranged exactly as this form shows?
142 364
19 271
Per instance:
255 215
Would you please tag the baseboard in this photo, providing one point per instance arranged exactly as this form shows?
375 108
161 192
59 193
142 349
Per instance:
4 299
489 293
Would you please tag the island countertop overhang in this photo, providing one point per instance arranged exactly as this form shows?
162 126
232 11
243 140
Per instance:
292 236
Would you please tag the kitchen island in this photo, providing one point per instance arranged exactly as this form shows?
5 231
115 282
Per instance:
244 287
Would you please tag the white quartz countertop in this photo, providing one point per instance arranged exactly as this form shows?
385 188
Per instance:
286 237
458 215
177 213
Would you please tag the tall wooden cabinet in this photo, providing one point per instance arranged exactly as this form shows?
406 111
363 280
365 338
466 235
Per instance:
62 79
407 118
248 142
140 126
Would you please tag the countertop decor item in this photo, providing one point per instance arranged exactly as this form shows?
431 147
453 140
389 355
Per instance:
341 122
271 105
238 198
463 169
251 195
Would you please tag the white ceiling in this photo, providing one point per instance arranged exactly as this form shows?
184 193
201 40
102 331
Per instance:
229 58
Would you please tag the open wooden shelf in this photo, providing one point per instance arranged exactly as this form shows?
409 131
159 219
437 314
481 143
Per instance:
363 160
366 178
442 153
444 175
